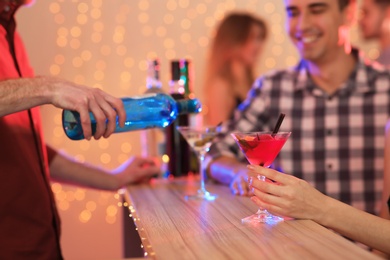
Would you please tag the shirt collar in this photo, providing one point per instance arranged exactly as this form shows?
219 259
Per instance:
358 80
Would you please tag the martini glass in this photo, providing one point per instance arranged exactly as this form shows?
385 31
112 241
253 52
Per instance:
261 148
200 140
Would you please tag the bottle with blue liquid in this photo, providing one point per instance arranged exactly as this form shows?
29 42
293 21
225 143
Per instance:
155 110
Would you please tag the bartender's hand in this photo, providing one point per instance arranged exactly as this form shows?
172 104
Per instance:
135 170
105 108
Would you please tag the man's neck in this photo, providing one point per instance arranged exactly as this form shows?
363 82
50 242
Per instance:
331 74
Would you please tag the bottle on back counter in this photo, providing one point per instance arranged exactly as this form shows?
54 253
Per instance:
142 112
177 149
153 140
153 82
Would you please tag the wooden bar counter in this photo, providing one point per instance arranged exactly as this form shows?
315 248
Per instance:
171 227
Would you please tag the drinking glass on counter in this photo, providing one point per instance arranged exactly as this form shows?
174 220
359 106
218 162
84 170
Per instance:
261 148
200 139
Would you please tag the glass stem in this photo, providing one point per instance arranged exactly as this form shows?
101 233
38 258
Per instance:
202 172
261 211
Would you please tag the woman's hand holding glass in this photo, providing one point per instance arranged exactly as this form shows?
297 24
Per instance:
287 195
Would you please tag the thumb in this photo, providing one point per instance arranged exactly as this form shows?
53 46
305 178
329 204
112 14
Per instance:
146 161
150 170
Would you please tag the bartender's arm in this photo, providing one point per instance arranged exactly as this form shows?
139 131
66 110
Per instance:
25 93
136 169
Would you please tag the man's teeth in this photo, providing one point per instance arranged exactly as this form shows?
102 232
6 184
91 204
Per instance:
308 39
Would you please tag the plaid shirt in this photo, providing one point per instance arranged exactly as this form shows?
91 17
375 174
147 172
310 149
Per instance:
337 140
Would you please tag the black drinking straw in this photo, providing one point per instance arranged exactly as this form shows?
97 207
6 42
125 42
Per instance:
278 123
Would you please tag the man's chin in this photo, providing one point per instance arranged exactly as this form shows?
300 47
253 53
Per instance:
368 37
307 55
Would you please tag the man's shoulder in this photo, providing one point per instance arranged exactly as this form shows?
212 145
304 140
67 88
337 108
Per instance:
278 79
377 76
373 68
373 76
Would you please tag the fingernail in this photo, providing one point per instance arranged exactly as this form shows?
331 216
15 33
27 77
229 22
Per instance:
250 167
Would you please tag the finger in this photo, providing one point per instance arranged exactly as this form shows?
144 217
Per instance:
250 191
269 173
85 123
234 188
271 199
100 118
273 209
144 162
118 105
147 160
110 121
150 171
243 187
109 113
267 187
253 170
259 202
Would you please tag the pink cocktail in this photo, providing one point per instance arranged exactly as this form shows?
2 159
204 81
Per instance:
261 148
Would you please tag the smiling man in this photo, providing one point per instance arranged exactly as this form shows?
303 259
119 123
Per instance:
336 105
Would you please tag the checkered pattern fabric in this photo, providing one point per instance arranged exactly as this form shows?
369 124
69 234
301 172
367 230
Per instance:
337 140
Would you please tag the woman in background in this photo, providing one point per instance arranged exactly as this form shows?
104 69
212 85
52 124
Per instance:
238 40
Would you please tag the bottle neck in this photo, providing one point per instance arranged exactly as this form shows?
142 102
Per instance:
176 86
153 83
153 77
188 106
186 77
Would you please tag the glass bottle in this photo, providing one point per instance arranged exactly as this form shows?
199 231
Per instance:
177 149
142 112
153 140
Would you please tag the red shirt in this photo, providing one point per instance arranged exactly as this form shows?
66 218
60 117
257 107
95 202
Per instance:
29 223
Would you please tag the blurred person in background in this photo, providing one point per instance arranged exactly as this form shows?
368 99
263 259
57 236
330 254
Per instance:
229 74
375 25
336 105
29 221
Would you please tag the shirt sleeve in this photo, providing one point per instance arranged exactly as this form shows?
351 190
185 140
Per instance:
51 153
250 115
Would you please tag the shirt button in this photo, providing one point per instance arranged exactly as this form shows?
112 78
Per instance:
329 132
329 166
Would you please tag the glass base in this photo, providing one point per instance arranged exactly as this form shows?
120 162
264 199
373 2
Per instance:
262 216
202 195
